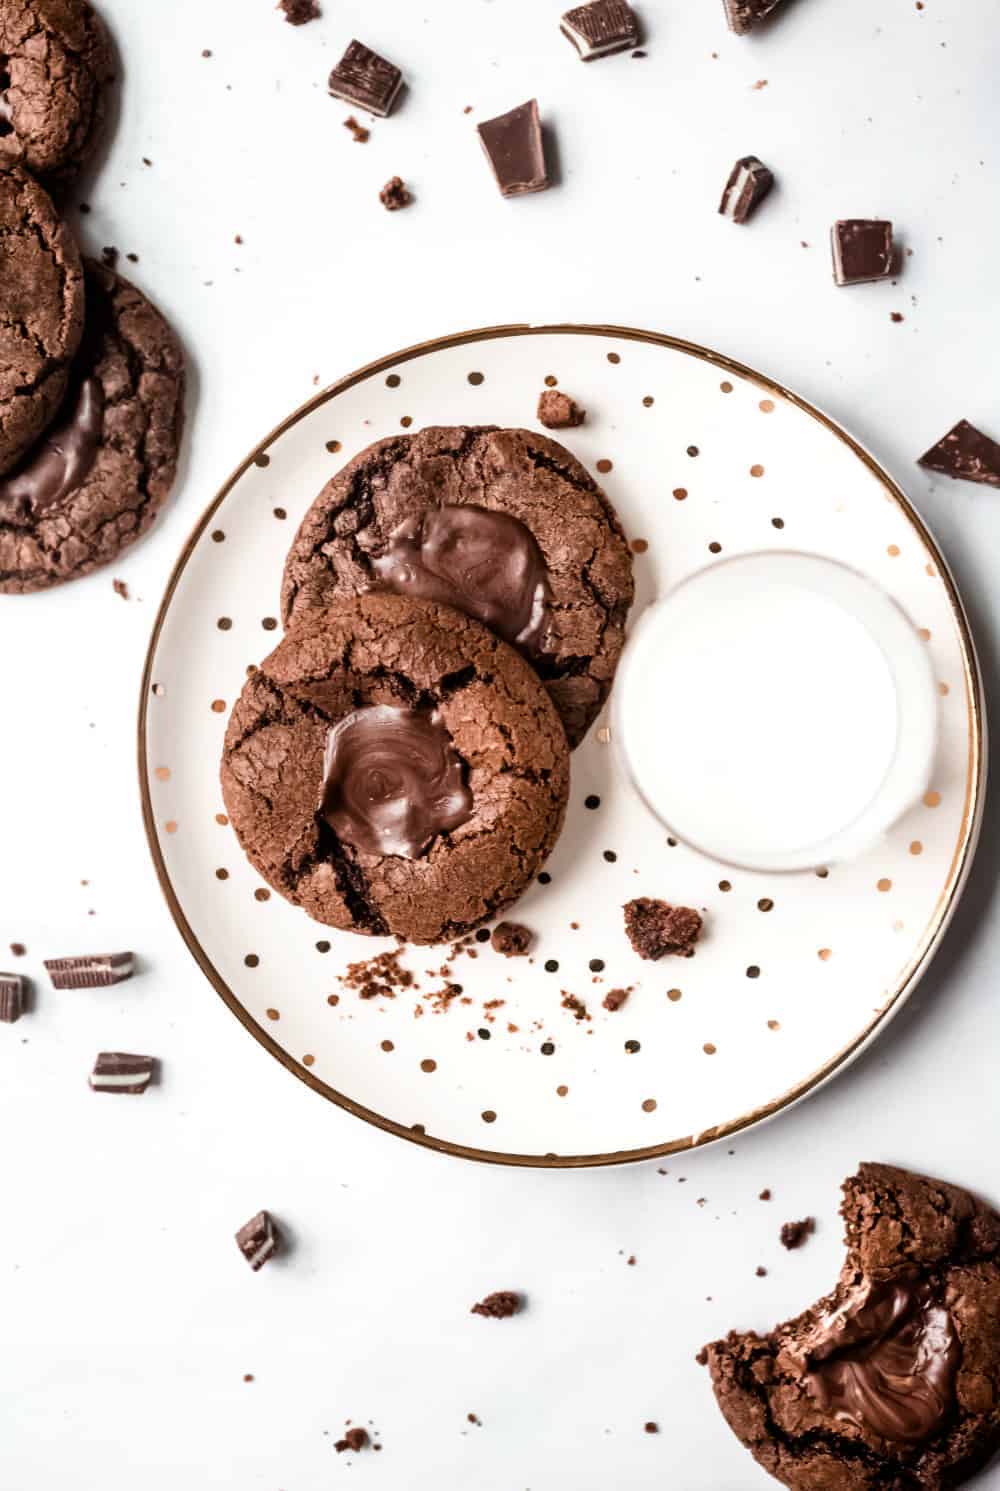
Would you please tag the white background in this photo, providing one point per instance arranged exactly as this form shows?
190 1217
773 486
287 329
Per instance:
127 1318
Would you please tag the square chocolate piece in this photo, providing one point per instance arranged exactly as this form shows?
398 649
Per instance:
115 1071
744 14
862 250
365 79
966 454
98 971
257 1239
11 997
513 145
749 183
601 28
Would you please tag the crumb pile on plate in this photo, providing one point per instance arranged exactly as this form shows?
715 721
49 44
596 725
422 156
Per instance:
91 375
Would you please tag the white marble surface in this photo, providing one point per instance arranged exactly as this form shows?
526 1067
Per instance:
128 1319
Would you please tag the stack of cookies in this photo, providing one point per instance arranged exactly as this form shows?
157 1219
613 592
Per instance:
91 375
455 603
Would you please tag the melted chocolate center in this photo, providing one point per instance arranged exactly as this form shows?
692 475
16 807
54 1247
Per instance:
392 780
887 1361
484 563
61 460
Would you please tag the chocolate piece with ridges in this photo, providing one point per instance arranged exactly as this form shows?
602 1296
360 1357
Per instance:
257 1239
601 28
966 454
655 928
96 971
862 250
365 79
11 997
514 148
557 411
498 1306
115 1071
744 14
749 183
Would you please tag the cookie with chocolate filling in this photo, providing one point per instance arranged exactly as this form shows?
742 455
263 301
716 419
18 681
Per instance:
100 473
55 63
505 525
41 311
892 1381
394 767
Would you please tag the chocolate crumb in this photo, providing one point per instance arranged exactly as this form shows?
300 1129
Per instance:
896 316
557 411
794 1234
575 1005
701 1357
499 1305
354 1439
360 134
615 998
651 1427
511 939
394 194
382 976
765 1194
761 1272
298 12
120 588
18 949
655 928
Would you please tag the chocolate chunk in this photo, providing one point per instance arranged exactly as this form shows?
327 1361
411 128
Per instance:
749 183
257 1239
794 1234
615 998
358 131
655 928
62 459
394 194
355 1439
97 971
966 454
511 938
862 250
601 28
743 14
513 145
365 79
392 780
297 12
11 997
557 411
114 1071
498 1306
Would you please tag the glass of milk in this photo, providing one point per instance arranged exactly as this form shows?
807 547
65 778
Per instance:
776 711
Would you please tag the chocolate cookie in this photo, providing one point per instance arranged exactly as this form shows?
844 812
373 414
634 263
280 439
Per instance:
98 476
505 525
892 1382
55 60
41 311
393 767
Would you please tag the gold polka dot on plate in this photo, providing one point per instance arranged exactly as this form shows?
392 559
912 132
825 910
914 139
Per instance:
884 884
221 874
308 1060
562 1090
406 421
673 995
428 1065
726 386
488 1116
269 623
273 1014
476 378
550 380
604 466
162 773
639 546
648 401
649 1105
824 954
756 471
262 894
709 1049
725 885
680 493
932 799
614 358
924 633
916 847
893 551
333 446
388 1046
774 1024
251 960
766 406
221 820
171 825
262 459
218 705
393 380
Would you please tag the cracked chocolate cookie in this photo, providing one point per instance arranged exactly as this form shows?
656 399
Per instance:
55 61
393 767
505 525
41 311
892 1381
98 476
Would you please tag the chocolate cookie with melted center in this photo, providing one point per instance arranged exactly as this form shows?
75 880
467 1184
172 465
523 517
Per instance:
95 480
892 1381
505 525
395 767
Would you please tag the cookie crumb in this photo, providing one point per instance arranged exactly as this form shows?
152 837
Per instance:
298 12
794 1234
651 1427
765 1194
511 939
557 411
499 1305
18 949
120 587
575 1005
360 135
896 316
615 998
761 1272
656 928
354 1439
394 194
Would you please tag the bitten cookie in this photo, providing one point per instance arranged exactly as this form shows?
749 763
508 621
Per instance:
393 767
41 311
55 61
98 476
505 525
892 1382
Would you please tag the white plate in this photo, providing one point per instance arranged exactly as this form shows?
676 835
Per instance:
696 452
